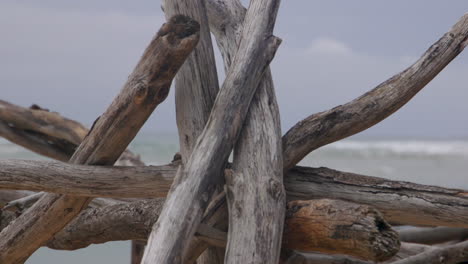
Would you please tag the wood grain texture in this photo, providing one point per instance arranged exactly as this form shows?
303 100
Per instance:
254 230
133 221
197 181
90 181
196 83
374 106
339 227
146 87
456 253
401 202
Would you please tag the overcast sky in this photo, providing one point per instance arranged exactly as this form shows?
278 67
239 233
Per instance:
74 56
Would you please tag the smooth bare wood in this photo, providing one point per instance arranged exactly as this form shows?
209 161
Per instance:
198 179
433 235
400 202
374 106
339 227
146 87
444 255
255 230
91 181
196 84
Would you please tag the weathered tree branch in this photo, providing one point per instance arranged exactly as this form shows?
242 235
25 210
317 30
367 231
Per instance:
435 235
373 238
32 119
338 227
7 196
443 255
400 202
91 181
196 182
257 160
196 84
374 106
145 89
37 142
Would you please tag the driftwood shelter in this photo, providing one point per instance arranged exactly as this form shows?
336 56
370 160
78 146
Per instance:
261 208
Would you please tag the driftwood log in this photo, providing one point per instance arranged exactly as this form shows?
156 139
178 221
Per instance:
111 133
257 161
400 202
254 181
433 235
360 231
196 88
197 180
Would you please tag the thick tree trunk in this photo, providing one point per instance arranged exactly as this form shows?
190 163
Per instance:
197 181
112 132
374 106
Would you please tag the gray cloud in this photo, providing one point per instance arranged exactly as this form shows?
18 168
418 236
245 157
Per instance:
73 57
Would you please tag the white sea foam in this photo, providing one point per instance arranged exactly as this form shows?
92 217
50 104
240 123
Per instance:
401 147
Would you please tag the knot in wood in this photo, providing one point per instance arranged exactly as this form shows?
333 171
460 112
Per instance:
275 189
141 91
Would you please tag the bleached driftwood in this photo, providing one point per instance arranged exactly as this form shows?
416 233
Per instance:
400 202
197 180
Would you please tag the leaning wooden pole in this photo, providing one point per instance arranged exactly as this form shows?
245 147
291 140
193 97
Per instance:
146 87
198 179
255 231
196 86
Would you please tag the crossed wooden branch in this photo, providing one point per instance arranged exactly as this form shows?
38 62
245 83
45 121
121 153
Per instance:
243 115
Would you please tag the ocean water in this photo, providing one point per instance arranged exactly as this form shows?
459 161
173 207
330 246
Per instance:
433 162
